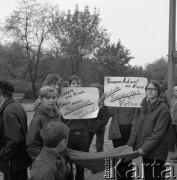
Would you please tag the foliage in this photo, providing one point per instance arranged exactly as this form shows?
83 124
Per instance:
30 25
45 40
79 36
158 70
111 60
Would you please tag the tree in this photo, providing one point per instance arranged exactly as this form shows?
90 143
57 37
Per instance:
30 25
157 70
111 60
79 36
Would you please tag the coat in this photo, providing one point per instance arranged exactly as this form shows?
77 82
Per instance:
121 116
13 129
101 120
152 130
49 165
40 118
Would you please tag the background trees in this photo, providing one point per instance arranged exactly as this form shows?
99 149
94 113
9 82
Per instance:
111 60
30 26
79 36
43 40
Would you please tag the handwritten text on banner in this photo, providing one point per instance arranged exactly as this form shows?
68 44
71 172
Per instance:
79 102
124 91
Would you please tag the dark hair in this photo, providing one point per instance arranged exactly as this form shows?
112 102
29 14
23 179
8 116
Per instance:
6 88
52 133
65 84
51 78
99 86
74 77
156 84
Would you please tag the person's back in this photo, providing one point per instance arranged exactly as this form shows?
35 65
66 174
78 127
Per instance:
50 165
14 158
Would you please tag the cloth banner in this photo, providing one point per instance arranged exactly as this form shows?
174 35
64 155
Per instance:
96 161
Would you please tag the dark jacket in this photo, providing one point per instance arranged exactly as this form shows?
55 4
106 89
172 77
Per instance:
76 124
48 165
13 129
152 130
40 118
101 120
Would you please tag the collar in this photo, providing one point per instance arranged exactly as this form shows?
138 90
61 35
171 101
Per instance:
5 103
51 152
48 111
1 103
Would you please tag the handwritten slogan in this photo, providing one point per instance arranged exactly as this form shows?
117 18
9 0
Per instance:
79 102
124 91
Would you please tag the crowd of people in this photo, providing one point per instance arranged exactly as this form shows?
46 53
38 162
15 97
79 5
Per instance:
43 147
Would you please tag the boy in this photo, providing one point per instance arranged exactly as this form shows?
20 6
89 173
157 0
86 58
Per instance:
50 164
78 134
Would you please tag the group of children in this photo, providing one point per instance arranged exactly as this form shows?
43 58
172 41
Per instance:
77 134
147 131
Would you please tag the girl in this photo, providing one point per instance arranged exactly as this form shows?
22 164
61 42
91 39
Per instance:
151 132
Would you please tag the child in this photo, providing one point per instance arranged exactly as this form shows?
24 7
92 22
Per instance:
50 165
46 112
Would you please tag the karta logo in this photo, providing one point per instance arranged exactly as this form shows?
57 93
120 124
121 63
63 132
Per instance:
112 167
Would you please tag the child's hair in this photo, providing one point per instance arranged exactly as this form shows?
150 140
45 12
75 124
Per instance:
45 91
74 77
52 133
51 78
6 88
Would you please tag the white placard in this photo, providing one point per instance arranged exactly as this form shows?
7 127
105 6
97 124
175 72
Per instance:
124 91
79 102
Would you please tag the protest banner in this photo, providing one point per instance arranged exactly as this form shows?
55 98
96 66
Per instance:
79 102
124 91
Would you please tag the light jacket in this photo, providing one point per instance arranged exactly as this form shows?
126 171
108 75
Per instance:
121 116
49 165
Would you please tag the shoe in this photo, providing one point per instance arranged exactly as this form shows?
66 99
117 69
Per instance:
173 158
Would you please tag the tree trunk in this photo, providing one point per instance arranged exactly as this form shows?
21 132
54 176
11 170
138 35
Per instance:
33 83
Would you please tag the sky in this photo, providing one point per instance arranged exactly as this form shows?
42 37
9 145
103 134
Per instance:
141 25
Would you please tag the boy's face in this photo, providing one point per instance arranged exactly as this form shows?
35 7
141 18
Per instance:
63 145
75 83
50 101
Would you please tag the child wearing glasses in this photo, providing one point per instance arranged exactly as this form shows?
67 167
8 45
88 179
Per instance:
151 132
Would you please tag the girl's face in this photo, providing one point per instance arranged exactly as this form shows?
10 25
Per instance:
57 85
151 92
50 101
75 83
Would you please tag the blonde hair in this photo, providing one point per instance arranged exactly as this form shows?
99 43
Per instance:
45 91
